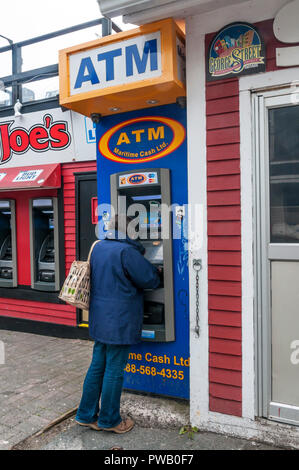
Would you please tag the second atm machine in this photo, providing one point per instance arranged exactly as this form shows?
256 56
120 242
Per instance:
145 193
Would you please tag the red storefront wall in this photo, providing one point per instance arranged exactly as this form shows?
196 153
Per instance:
62 314
224 233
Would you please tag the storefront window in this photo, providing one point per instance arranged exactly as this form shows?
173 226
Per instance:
40 89
5 96
284 174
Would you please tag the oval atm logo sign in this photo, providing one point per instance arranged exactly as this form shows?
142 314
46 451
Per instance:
137 179
142 139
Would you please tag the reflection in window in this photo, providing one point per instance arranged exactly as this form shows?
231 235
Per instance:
5 62
40 89
5 96
284 174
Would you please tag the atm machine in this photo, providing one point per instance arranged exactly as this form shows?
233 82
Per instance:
142 173
44 244
8 253
142 194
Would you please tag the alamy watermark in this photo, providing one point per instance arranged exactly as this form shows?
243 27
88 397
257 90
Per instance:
151 219
295 354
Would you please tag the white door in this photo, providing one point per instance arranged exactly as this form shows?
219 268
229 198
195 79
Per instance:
277 169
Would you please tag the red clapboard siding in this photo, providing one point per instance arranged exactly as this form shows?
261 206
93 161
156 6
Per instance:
224 213
224 198
225 273
228 407
221 183
224 245
225 227
225 288
68 171
225 346
220 317
38 311
223 136
227 392
223 105
223 152
221 89
41 311
225 167
220 121
225 362
226 303
224 258
224 376
217 331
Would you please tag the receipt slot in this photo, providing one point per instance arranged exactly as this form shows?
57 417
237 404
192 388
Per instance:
44 247
143 194
8 263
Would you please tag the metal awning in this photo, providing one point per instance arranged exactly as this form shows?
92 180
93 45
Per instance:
30 177
145 11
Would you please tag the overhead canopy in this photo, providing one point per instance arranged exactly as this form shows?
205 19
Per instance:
144 11
30 177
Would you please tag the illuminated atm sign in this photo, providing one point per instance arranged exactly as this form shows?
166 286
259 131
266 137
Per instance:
124 62
122 72
142 139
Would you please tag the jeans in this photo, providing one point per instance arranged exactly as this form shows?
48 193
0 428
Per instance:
104 379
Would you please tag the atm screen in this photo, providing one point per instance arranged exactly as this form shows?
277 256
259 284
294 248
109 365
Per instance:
151 217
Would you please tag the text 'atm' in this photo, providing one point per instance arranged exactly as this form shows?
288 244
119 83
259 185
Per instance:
8 263
141 194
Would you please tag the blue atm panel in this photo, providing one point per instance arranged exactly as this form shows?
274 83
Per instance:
143 155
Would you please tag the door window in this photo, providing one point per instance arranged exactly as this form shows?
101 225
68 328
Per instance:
284 174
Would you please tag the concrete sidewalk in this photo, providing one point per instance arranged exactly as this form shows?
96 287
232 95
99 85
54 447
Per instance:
41 379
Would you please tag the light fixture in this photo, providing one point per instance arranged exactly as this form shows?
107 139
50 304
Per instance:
17 108
114 109
152 101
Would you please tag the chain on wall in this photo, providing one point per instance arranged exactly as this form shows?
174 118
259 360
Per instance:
197 267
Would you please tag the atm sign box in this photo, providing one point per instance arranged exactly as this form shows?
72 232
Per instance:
122 72
138 179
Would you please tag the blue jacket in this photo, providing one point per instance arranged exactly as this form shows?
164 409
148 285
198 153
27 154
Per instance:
119 273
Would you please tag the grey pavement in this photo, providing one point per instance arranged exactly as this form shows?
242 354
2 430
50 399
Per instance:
76 437
41 380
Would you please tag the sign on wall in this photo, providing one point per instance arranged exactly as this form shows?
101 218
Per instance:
46 137
143 139
235 50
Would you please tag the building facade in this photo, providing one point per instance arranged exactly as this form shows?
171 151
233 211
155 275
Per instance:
242 129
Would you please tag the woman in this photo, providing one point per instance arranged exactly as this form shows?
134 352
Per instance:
119 273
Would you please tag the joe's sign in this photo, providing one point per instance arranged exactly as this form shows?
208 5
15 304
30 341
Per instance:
49 135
